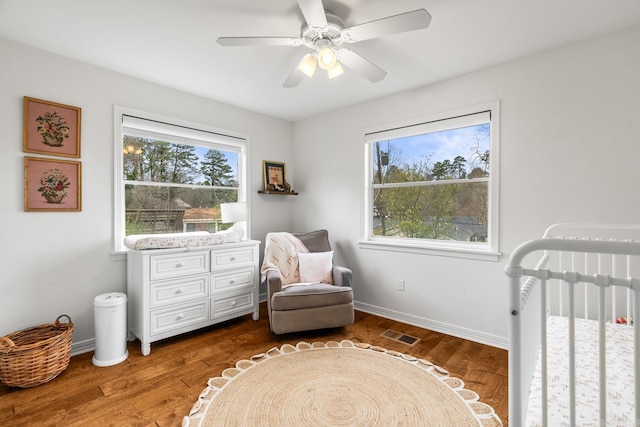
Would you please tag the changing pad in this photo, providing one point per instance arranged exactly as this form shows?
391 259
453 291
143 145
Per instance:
179 240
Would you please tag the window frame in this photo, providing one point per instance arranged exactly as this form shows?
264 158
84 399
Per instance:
489 251
219 139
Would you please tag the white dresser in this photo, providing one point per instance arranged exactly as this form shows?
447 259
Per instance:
173 291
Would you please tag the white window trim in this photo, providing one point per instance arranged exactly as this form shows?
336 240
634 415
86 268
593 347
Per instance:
488 252
240 140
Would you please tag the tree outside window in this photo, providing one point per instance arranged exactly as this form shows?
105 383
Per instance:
433 185
174 177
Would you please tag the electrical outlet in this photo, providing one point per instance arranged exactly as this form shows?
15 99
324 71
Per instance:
400 285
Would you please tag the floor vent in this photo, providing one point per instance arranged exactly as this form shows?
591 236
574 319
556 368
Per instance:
397 336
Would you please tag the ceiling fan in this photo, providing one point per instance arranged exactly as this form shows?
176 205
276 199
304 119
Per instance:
325 34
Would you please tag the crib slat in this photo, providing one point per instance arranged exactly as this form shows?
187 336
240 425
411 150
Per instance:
630 312
543 351
560 300
602 355
636 353
572 355
602 344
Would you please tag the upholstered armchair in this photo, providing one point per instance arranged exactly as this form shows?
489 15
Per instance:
307 291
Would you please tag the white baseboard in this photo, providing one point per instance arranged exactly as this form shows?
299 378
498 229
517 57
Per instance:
432 325
464 333
86 346
83 347
445 328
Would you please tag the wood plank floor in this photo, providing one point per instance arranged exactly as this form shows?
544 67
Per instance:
158 390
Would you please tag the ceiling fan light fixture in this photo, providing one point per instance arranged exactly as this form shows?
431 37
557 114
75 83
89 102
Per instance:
335 71
326 58
308 64
325 33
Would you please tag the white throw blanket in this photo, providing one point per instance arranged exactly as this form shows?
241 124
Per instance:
281 254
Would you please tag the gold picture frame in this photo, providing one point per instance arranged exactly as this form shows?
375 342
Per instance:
51 128
52 185
274 174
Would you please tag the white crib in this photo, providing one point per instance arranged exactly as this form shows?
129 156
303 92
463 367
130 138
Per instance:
567 314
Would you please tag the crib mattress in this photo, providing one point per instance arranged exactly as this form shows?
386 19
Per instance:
620 393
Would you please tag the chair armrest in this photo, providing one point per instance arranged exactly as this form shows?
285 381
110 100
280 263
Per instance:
274 282
341 276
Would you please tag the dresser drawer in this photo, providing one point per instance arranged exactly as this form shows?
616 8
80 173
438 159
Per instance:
231 302
177 317
237 278
178 290
178 265
229 258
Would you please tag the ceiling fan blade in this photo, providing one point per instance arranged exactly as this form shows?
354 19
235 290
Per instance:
313 11
360 65
259 41
294 78
402 23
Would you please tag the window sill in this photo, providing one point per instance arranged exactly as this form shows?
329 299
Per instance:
431 250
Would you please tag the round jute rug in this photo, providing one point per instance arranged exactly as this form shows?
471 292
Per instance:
337 384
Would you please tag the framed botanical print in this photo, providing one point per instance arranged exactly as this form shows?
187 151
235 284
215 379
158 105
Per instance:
52 185
51 128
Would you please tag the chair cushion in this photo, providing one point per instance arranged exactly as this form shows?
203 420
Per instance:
295 297
316 267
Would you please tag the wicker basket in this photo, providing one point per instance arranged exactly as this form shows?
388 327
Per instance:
35 355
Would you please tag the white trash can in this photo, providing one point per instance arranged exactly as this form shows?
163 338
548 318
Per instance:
110 317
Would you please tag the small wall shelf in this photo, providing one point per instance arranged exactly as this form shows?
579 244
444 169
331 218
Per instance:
282 193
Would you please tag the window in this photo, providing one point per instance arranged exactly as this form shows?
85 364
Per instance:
172 176
433 183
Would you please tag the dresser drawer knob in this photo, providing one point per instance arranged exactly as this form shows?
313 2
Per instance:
233 258
233 303
180 265
232 281
179 291
180 316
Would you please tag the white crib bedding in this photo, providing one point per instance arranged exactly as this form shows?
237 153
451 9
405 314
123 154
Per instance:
620 393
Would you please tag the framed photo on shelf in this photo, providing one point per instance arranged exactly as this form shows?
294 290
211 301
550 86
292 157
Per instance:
274 176
52 185
50 128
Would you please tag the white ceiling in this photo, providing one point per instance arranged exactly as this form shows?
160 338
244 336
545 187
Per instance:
173 42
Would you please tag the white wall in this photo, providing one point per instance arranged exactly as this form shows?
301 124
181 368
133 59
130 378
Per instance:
569 138
569 152
57 262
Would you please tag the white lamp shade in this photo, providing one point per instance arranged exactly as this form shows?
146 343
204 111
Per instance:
326 58
335 71
234 212
308 64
